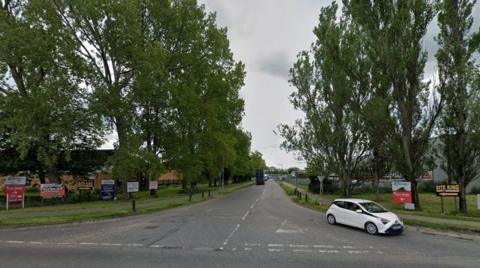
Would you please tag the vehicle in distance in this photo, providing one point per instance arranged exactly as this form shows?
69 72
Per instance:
260 177
364 214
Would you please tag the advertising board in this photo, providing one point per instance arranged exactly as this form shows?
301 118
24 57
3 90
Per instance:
447 189
153 185
132 186
52 190
107 191
401 192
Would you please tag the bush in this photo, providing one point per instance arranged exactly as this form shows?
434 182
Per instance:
475 190
426 187
329 187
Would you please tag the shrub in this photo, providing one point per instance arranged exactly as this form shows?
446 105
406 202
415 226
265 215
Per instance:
426 187
475 190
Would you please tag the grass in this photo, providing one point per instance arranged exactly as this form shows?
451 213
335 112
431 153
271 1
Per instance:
314 204
114 212
430 205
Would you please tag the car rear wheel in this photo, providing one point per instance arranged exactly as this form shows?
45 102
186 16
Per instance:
331 219
371 228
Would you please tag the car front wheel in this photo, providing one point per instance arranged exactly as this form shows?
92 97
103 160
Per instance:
371 228
331 219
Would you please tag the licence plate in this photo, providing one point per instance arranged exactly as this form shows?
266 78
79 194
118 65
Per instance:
396 227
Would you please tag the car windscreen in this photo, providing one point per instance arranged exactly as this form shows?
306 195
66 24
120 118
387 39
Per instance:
373 207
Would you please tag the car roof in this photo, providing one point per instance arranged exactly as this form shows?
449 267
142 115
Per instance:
355 200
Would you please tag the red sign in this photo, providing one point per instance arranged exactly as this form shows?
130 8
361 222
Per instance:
52 190
15 193
401 197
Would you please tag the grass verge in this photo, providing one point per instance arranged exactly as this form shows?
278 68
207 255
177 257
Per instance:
58 219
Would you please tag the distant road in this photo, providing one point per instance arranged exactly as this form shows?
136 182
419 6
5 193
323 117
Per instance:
255 227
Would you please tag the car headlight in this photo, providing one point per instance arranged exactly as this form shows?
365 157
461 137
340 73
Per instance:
384 221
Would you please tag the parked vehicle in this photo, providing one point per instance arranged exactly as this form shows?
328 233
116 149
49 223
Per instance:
364 214
260 177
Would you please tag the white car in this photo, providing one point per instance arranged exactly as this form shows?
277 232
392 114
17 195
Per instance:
364 214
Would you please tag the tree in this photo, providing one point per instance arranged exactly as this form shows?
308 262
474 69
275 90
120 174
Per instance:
397 28
332 85
47 112
459 125
256 162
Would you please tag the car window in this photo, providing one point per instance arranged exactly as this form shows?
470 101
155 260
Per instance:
373 207
340 204
351 206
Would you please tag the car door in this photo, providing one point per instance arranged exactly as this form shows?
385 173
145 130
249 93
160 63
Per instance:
352 217
339 211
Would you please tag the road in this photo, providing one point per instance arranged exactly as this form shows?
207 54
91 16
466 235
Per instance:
255 227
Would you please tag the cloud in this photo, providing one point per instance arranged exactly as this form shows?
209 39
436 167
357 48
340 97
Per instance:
277 64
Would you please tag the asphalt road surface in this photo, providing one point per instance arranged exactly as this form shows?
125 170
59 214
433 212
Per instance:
255 227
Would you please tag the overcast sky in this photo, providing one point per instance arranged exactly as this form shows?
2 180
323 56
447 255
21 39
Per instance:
267 35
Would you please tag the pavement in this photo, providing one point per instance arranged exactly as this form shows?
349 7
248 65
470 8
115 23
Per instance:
255 227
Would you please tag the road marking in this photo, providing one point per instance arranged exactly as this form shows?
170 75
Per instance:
110 244
246 214
323 246
328 251
252 244
275 245
347 247
298 246
15 242
302 250
156 246
88 244
135 245
63 243
247 249
289 231
234 249
35 243
275 249
231 234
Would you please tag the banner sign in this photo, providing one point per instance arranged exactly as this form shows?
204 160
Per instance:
153 185
85 185
132 186
108 190
15 189
447 189
401 192
15 181
52 190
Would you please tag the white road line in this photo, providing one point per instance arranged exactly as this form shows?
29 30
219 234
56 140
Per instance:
302 250
63 243
298 246
323 246
135 245
347 247
88 244
234 249
247 249
246 214
275 245
111 244
156 246
231 234
35 243
275 249
328 251
15 242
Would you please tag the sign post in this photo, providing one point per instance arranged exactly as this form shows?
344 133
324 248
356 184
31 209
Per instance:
15 191
52 190
447 190
132 187
107 191
153 186
402 193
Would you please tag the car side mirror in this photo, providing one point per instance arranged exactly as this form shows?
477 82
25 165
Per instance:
359 211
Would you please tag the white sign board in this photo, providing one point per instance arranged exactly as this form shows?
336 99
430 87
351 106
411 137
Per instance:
132 186
15 180
409 206
401 186
153 185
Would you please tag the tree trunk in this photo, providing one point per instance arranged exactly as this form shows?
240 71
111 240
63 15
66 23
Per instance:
415 197
462 204
53 175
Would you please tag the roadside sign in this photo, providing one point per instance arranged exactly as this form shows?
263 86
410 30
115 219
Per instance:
107 191
85 184
409 206
14 190
401 192
132 186
153 185
447 190
52 190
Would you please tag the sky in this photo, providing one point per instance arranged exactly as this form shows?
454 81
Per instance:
266 35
